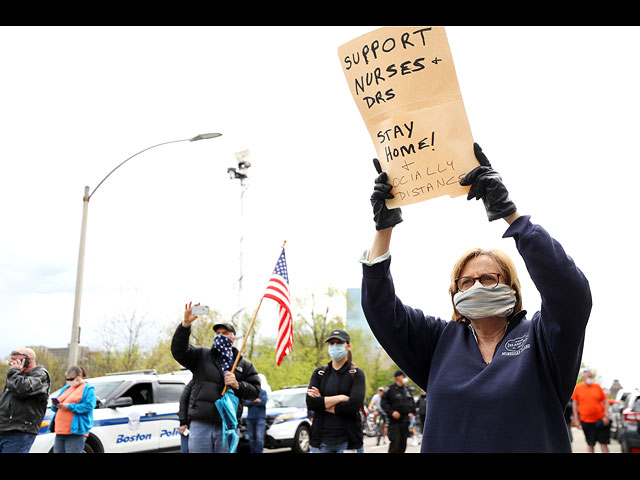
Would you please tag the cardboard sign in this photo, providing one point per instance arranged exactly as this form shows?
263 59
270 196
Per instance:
404 83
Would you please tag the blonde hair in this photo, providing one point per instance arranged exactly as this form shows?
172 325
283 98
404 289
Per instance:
507 272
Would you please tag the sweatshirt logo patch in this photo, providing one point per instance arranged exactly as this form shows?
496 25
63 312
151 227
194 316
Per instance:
515 346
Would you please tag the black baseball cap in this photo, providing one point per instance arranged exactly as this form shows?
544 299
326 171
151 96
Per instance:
228 326
340 335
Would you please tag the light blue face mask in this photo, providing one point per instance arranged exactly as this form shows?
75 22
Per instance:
337 351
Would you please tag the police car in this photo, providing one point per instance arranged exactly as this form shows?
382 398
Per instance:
135 412
287 423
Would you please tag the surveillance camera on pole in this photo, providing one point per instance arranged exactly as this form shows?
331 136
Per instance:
243 165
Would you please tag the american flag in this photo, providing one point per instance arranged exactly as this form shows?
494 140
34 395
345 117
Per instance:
278 290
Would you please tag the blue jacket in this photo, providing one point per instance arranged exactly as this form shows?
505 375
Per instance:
82 421
516 402
257 409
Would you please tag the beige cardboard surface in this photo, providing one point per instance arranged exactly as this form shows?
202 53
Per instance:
404 84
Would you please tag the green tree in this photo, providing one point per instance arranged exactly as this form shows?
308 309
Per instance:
127 343
121 345
159 357
315 317
4 368
202 334
55 366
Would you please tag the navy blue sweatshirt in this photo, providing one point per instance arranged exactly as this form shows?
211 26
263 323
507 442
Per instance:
516 402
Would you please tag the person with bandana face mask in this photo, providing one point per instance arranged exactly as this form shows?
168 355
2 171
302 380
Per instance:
497 380
211 368
335 395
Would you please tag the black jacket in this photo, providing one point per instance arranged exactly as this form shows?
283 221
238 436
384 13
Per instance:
23 402
208 379
348 381
183 410
398 399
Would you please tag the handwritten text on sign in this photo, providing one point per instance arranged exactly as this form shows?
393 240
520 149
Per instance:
404 84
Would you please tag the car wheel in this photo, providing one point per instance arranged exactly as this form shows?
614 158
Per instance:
93 445
301 440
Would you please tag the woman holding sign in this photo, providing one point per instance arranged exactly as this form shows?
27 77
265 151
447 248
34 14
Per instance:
496 380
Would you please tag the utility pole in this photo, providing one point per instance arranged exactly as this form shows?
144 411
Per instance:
240 173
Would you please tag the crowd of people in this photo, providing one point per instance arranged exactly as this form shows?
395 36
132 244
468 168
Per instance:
480 369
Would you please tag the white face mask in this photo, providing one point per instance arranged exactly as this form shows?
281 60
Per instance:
481 302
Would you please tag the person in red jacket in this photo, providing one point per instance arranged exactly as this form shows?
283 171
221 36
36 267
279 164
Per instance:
591 412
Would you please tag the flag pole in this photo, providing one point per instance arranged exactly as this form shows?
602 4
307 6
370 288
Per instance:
246 335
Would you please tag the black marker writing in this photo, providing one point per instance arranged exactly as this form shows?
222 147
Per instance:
409 149
371 51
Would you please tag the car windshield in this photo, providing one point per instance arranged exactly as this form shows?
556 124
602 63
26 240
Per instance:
104 388
284 398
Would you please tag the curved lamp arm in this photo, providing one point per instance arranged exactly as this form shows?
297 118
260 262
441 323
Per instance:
202 136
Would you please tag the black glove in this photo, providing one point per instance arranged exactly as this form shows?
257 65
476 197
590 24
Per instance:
383 217
487 184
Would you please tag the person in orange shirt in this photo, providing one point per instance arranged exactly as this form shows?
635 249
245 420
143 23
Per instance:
73 413
591 412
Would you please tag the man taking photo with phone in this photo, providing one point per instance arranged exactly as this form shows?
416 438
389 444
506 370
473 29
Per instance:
211 369
23 402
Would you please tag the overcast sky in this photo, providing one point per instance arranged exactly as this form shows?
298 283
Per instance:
554 108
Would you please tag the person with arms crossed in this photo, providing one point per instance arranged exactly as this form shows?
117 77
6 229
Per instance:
335 395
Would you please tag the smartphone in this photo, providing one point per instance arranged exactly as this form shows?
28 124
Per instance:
55 401
200 310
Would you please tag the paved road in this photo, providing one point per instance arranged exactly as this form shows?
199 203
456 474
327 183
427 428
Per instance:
371 447
578 445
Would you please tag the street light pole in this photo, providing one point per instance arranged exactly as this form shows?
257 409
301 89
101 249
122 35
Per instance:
75 328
